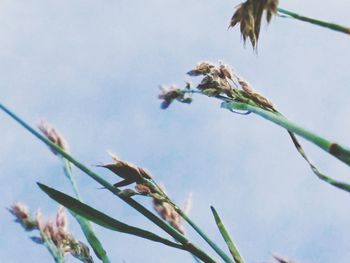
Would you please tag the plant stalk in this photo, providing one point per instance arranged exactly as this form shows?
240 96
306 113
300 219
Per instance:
144 211
340 152
317 22
84 223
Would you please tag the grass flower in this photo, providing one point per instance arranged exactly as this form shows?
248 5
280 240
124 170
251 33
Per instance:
54 234
54 136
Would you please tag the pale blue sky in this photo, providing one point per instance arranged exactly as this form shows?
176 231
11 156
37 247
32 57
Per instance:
93 70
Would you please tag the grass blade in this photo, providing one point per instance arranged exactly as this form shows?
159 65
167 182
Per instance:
230 244
100 218
212 244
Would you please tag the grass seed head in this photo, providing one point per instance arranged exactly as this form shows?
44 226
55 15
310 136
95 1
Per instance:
22 214
171 93
54 136
52 231
249 15
169 214
127 171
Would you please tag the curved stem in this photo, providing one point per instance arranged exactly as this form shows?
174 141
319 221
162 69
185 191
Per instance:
338 151
211 243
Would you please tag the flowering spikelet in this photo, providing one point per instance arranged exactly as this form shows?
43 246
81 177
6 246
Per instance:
144 185
169 214
216 79
222 82
52 232
249 16
255 96
128 171
171 93
21 212
54 136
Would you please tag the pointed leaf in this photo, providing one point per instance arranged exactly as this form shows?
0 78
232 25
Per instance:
231 246
102 219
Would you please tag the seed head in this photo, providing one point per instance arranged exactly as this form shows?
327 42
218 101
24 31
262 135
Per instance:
249 15
21 212
126 170
54 136
168 213
202 68
171 93
142 189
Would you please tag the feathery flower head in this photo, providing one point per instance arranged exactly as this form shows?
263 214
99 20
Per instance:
54 136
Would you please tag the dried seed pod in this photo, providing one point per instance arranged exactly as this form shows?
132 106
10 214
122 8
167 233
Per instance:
249 16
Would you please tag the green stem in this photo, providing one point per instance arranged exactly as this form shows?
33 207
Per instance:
340 152
321 23
68 171
84 223
217 249
51 247
144 211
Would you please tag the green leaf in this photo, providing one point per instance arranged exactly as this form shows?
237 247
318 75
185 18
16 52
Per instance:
230 244
102 219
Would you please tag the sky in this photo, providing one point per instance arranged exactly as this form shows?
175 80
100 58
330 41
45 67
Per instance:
93 70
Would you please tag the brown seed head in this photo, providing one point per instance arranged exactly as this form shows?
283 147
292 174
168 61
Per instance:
226 71
202 68
245 86
249 15
127 170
